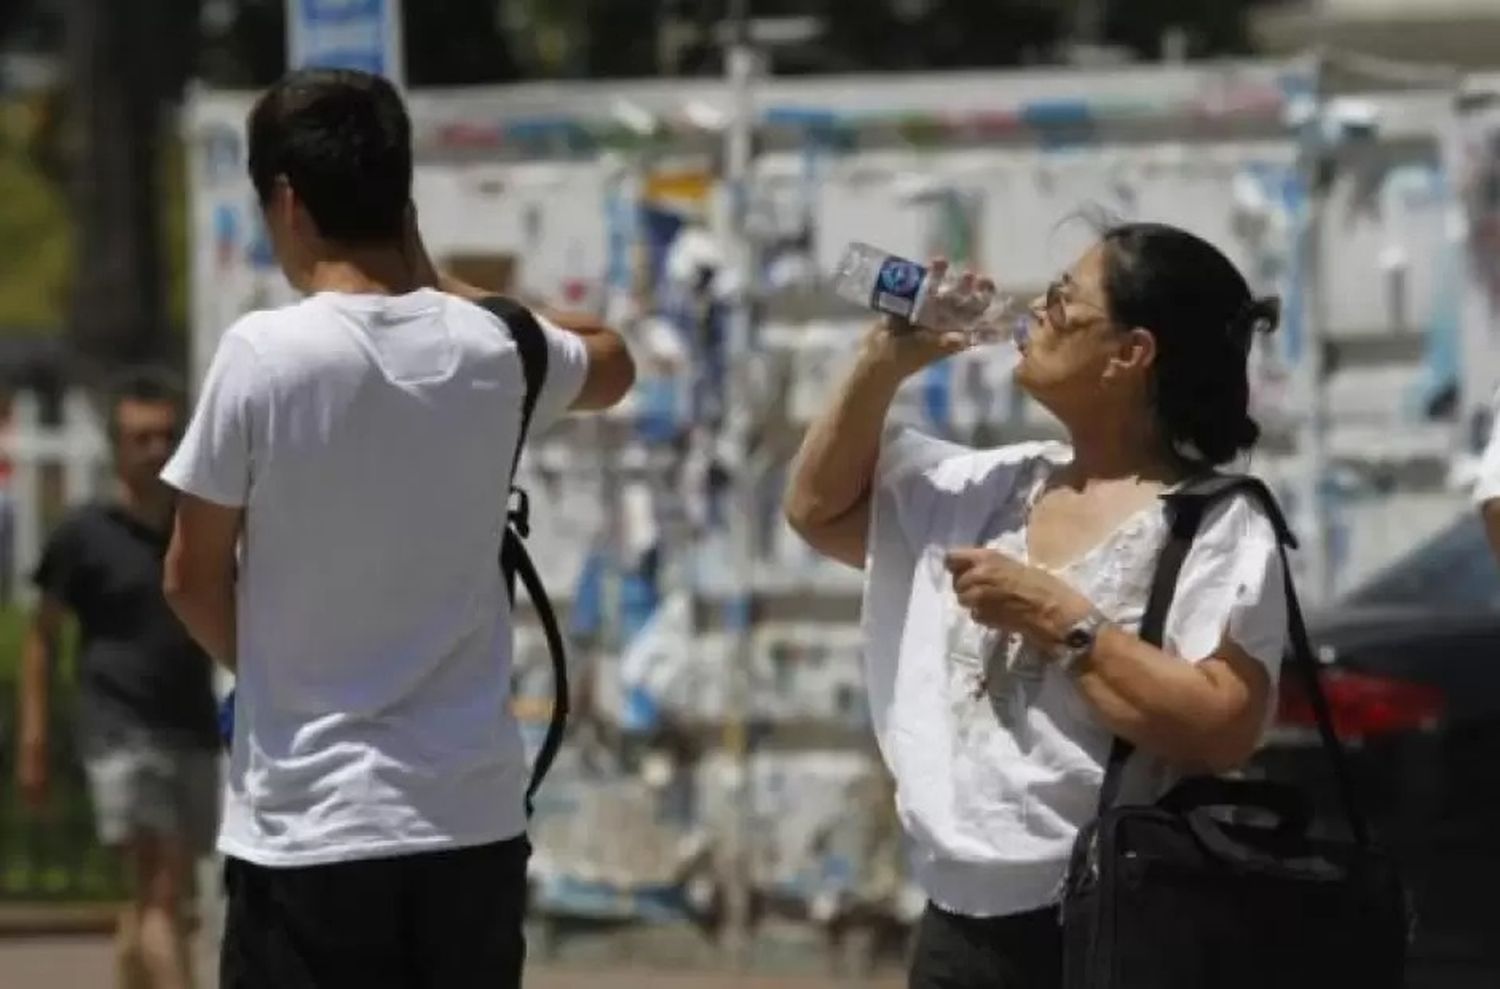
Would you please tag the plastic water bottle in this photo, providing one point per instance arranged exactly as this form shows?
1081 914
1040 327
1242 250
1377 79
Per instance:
894 286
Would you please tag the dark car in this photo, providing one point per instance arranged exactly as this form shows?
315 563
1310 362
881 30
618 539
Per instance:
1412 673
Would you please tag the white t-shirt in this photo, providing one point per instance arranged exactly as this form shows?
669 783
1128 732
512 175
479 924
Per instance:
997 756
369 440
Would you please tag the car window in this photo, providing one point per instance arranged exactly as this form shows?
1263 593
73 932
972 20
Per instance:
1454 569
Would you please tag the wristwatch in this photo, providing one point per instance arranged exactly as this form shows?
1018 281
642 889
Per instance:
1079 641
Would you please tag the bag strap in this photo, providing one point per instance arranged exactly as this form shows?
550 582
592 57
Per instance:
531 345
1184 515
1187 507
520 563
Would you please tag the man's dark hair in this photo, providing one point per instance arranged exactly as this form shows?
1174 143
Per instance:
342 140
143 384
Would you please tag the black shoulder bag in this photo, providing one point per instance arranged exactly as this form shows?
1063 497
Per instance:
1174 896
531 344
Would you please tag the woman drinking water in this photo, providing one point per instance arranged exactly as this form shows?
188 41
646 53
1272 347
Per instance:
1004 587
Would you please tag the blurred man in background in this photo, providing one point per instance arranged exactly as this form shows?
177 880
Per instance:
344 487
145 720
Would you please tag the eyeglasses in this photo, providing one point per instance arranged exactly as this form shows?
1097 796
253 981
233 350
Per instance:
1055 306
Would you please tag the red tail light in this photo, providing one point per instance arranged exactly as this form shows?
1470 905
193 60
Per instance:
1363 705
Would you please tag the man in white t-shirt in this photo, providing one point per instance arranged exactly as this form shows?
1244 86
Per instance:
343 492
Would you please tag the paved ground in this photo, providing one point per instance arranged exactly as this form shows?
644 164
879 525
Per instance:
85 963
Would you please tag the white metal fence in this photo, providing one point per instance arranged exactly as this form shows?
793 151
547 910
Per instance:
53 466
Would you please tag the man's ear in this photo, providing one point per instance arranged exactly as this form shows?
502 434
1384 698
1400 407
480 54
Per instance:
293 215
283 199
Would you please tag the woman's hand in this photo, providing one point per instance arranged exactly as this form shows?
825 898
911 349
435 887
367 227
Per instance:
1005 594
905 348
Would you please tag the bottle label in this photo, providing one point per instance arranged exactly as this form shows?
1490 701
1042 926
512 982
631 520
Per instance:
897 287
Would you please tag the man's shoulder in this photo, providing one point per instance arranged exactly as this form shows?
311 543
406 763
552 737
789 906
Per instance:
82 524
263 330
486 318
289 345
88 514
301 325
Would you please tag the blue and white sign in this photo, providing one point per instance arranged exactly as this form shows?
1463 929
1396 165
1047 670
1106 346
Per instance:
346 34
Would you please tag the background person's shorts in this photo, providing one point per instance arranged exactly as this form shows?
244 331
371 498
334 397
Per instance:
142 785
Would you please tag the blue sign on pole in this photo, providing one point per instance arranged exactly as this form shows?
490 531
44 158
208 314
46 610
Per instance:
346 34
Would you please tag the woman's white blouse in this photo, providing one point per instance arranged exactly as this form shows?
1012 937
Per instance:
996 755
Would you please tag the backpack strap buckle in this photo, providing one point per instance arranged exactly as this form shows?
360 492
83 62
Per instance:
518 515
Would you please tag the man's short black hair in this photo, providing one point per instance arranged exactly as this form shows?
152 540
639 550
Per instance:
342 139
144 384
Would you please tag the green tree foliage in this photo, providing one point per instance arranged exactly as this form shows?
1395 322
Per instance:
455 42
35 242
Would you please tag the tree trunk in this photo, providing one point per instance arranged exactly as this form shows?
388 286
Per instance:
114 60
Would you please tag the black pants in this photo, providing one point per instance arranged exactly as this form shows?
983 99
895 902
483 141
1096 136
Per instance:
1022 951
449 919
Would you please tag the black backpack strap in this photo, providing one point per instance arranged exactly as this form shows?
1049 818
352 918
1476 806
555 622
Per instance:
1187 506
558 722
531 344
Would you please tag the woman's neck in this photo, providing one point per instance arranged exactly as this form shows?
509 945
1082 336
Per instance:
1116 447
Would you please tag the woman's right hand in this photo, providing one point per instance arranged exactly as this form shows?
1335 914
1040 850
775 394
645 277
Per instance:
904 348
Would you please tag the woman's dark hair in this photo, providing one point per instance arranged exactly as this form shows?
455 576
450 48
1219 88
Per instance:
1201 311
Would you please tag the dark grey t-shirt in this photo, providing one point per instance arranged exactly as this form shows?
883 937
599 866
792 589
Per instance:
138 670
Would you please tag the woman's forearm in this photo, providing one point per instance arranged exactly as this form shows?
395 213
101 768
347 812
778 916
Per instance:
1205 715
833 470
828 498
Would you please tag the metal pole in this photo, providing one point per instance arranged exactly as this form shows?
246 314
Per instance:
1317 165
739 139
